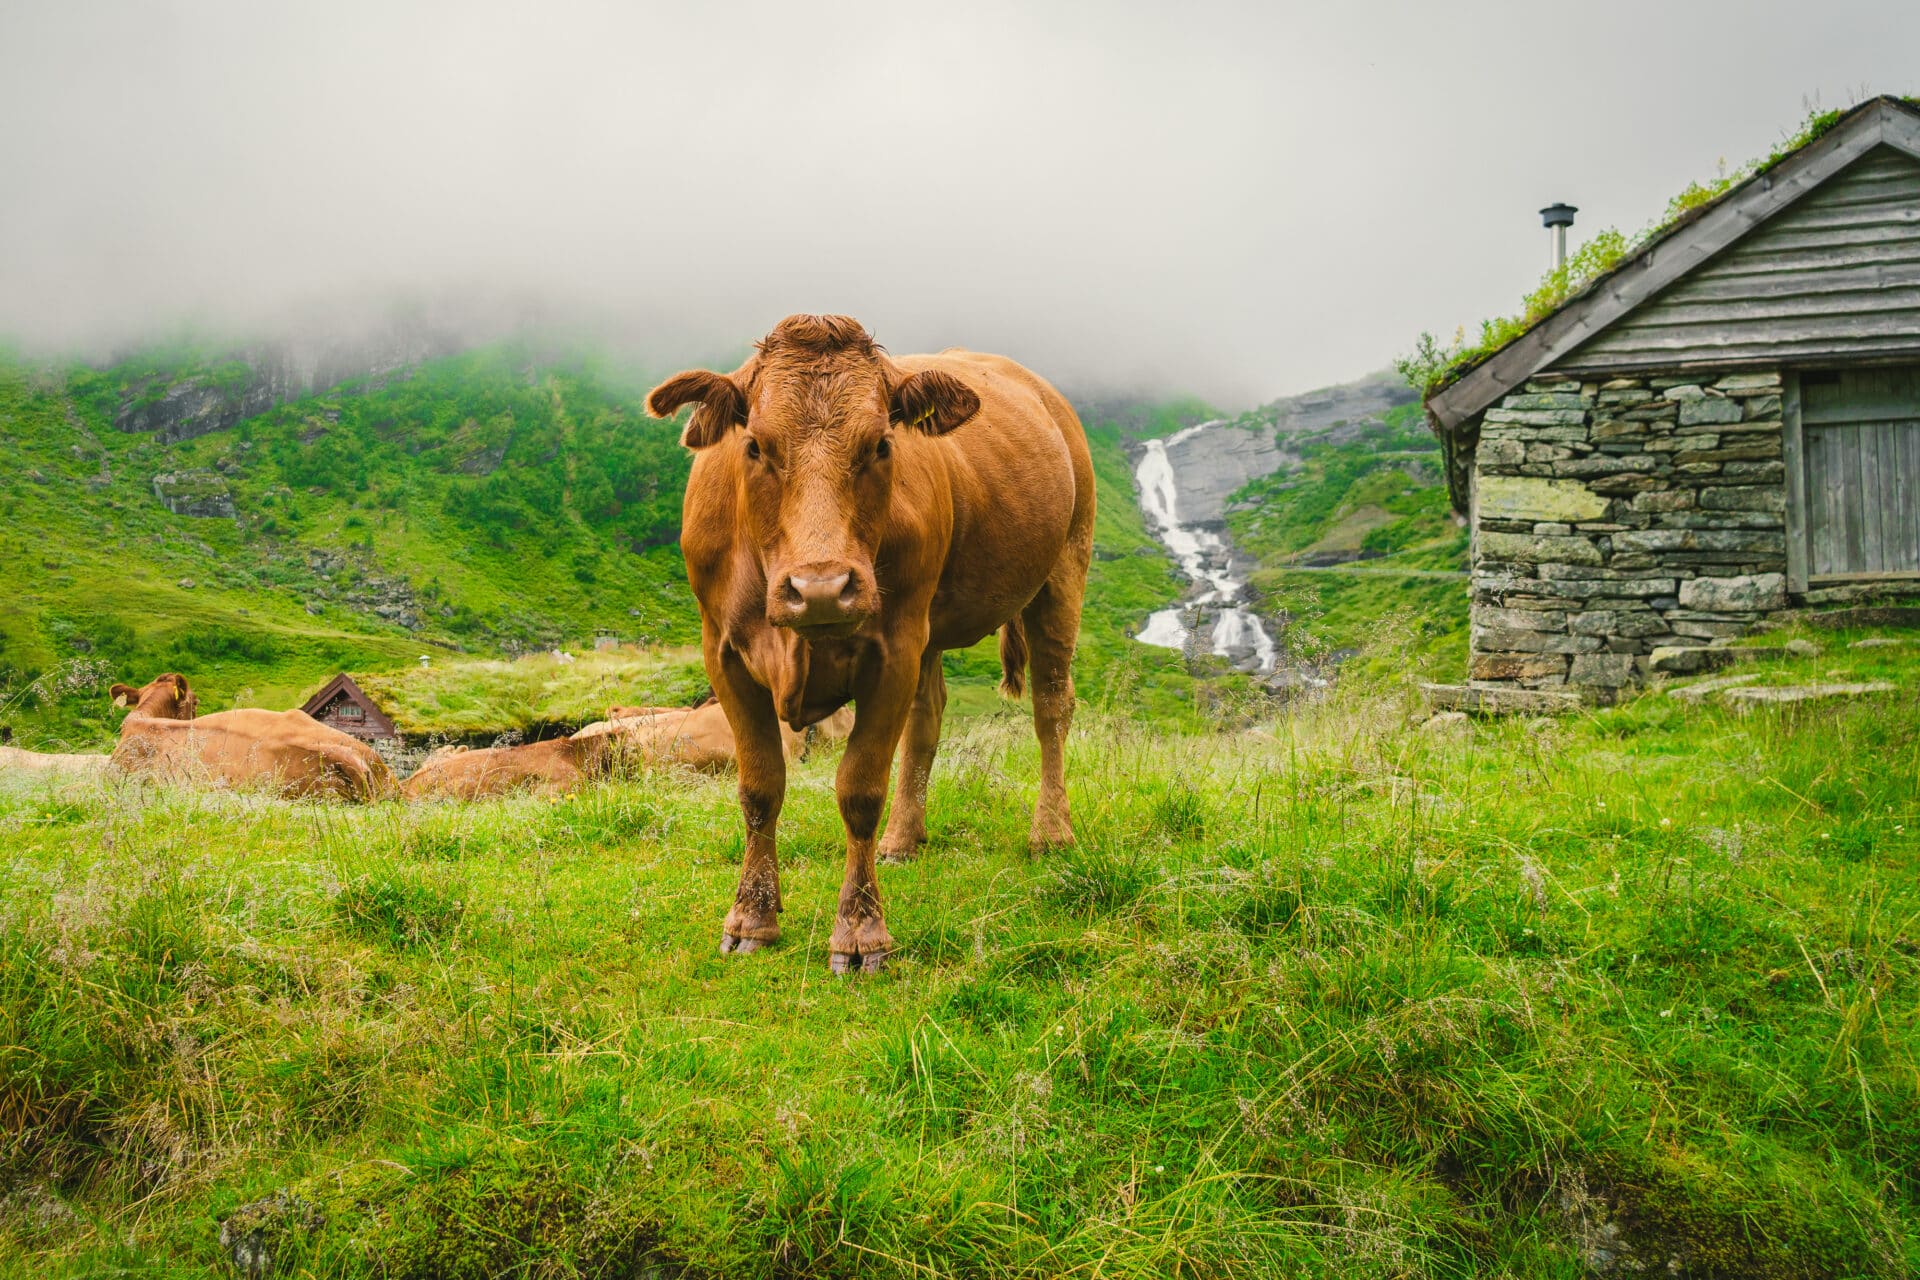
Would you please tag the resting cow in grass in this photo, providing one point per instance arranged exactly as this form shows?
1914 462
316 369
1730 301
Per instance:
851 515
286 751
699 737
14 759
545 768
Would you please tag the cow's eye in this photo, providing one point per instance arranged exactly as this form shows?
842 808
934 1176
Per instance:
883 449
753 448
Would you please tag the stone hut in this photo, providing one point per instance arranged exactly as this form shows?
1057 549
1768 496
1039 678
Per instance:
1724 426
341 704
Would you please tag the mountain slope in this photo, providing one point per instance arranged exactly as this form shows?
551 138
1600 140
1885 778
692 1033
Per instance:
485 501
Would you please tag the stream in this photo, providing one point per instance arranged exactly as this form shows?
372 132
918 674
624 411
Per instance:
1206 559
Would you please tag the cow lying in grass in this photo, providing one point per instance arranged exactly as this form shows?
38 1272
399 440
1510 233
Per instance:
849 517
285 751
630 737
16 760
546 768
699 737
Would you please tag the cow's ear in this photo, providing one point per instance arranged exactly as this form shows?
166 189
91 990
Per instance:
722 405
180 685
124 695
933 402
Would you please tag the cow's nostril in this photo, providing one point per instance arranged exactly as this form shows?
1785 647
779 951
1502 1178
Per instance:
790 593
849 591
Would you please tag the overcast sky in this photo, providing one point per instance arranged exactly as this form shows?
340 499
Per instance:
1237 199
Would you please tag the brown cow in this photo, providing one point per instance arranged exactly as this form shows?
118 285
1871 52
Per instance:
547 768
848 518
699 737
289 751
49 762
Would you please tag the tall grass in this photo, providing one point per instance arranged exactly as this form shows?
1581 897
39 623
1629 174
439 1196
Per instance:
1333 995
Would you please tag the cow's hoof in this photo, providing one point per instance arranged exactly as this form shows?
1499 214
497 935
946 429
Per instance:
899 852
732 946
853 962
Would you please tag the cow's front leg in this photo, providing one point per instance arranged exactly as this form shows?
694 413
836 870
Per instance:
754 920
860 939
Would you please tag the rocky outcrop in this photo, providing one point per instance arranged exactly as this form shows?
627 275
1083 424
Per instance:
195 493
346 583
1339 414
1214 464
178 408
183 403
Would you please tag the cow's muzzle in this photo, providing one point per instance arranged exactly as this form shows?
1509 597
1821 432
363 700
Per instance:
836 597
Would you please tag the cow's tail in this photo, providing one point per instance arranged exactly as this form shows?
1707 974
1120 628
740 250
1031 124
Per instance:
1013 659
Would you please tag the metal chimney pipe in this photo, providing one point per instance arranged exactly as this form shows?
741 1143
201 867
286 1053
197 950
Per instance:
1559 217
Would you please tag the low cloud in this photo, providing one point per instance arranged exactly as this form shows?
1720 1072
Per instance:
1234 199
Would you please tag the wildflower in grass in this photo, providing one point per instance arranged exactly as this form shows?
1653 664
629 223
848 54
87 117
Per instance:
1666 1013
1536 878
1599 804
1159 1168
1666 822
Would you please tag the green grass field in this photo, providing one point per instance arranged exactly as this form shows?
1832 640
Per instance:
1333 995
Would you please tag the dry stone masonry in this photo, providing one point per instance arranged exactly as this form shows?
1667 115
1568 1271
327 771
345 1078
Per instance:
1614 518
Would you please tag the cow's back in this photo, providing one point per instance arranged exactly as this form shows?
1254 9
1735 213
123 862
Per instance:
1019 479
287 750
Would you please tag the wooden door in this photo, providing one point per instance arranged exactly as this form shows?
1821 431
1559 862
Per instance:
1859 474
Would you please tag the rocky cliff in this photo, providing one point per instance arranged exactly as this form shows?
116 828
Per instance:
193 396
1210 466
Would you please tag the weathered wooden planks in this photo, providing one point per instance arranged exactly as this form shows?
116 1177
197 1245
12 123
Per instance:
1860 436
1834 276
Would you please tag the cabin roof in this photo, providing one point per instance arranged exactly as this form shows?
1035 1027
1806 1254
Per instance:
1680 249
378 723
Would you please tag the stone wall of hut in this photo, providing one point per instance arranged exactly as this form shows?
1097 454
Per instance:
1614 518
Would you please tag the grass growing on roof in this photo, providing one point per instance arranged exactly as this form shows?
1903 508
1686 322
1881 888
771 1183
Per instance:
1434 364
1333 996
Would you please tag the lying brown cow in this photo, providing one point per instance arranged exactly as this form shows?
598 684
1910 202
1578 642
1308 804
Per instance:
699 737
696 737
288 751
849 517
15 759
545 768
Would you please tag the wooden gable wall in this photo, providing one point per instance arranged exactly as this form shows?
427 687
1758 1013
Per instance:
1834 277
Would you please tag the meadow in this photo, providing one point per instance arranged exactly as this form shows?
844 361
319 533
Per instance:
1320 991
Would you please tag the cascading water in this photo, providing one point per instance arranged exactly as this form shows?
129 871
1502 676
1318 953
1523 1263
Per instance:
1205 558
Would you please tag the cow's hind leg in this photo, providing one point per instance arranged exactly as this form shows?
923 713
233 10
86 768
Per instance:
754 920
1052 625
907 822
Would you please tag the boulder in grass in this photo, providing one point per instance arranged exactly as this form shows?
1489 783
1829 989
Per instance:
1780 695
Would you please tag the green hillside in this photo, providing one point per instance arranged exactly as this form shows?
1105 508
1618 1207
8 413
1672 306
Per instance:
489 503
1359 540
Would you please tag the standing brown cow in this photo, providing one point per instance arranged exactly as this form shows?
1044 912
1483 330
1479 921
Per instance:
849 517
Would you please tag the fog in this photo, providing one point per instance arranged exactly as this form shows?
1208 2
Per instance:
1238 200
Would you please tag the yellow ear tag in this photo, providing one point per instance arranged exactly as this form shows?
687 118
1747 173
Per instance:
925 414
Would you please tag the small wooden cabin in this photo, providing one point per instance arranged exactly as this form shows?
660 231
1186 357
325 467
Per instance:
341 704
1724 426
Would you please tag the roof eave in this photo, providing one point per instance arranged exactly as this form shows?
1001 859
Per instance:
1883 120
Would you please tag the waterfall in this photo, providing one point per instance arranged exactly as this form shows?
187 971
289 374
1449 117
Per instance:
1205 559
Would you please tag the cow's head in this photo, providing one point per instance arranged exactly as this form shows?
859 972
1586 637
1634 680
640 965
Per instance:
167 698
816 415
